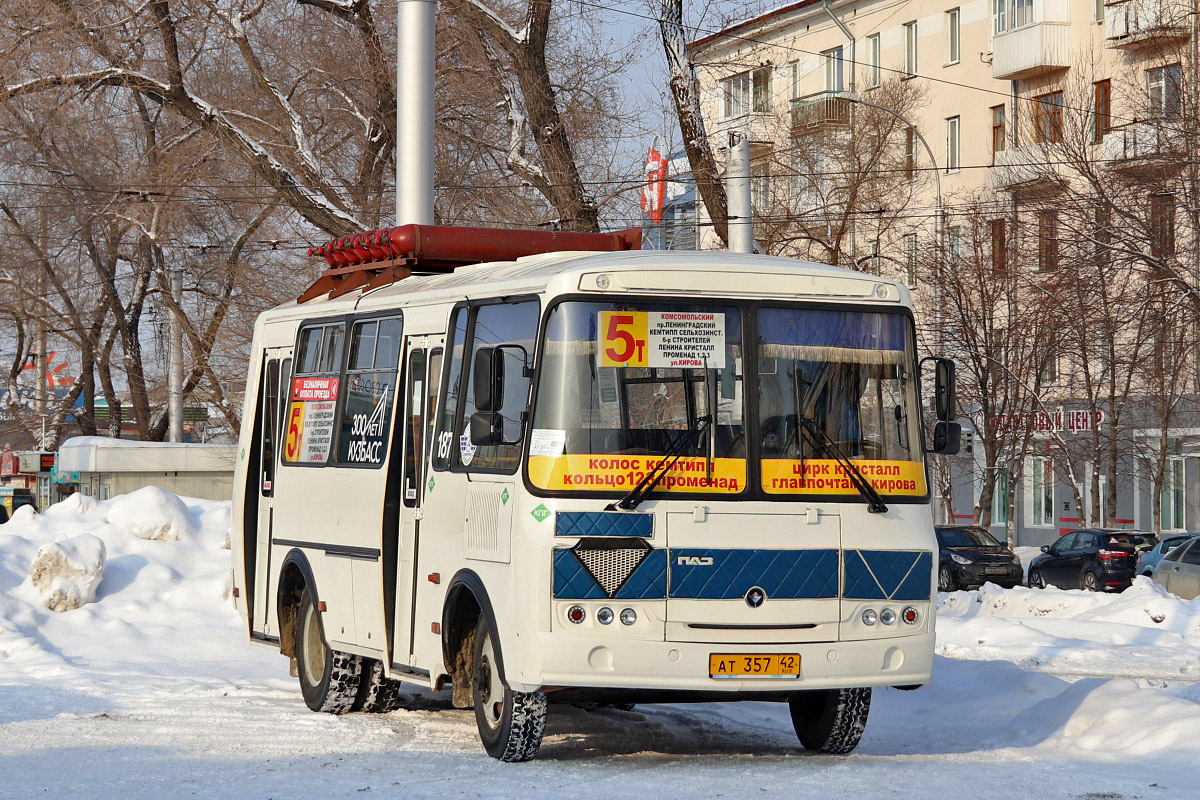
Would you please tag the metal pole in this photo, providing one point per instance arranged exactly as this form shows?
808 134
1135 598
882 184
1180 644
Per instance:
175 369
40 365
737 189
414 112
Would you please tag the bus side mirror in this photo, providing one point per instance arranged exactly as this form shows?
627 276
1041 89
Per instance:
943 398
487 428
946 436
487 380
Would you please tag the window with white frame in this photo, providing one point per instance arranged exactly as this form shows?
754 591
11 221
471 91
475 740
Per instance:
1000 497
910 259
873 61
1164 84
1012 14
910 49
760 188
954 245
952 41
1043 491
1171 499
746 92
831 65
952 142
796 80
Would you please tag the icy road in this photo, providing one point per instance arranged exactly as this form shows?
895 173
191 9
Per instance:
150 692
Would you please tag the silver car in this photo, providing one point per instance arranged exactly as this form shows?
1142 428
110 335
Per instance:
1179 571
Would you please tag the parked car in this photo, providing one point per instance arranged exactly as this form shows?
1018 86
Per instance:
968 556
1096 559
1151 557
1179 570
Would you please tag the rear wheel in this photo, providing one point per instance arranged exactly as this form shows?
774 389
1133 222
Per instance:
1036 579
329 679
1089 582
830 721
510 723
378 694
945 579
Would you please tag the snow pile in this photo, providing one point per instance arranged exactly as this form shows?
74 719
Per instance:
67 572
151 513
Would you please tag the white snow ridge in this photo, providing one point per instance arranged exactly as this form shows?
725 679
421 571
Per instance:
151 513
66 573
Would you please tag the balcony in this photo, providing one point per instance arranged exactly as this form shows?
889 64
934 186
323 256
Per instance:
1037 46
1139 23
820 110
1144 145
1024 169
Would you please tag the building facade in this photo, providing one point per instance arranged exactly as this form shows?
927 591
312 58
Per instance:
1029 166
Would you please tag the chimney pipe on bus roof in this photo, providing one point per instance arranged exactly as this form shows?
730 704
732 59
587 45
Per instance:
414 111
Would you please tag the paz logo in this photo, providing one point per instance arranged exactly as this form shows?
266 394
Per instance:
540 513
504 497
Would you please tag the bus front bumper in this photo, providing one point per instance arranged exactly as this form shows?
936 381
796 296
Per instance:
577 661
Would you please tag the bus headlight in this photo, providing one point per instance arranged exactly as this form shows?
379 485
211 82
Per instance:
628 616
869 617
887 617
604 616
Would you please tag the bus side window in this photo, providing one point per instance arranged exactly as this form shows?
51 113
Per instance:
309 415
413 434
431 388
447 437
370 392
501 323
270 425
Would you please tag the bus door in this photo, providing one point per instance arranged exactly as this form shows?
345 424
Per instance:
422 370
276 377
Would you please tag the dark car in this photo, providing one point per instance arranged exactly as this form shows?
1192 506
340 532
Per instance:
968 556
1096 559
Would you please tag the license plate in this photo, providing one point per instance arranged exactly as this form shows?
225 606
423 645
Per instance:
995 571
754 665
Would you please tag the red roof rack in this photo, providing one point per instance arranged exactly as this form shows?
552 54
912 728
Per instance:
372 259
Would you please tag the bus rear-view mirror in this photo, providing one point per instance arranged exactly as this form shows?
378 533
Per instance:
487 381
946 437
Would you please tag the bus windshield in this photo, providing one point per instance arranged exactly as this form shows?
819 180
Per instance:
622 384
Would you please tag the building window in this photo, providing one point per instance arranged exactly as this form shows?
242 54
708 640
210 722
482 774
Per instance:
952 45
1162 225
1047 240
1048 117
746 91
910 259
873 52
1164 85
952 125
1102 91
796 78
997 131
910 154
1000 15
1098 10
1171 500
1050 367
1012 14
1000 498
760 188
910 49
999 246
1043 491
954 246
1102 235
831 61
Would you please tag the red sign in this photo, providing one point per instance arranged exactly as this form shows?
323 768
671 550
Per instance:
655 189
8 462
314 390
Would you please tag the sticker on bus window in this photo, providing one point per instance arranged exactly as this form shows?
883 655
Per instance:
466 448
826 476
547 442
310 420
662 339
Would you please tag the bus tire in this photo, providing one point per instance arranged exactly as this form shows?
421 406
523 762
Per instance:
378 694
329 679
510 723
830 721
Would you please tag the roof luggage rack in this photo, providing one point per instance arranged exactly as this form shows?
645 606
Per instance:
372 259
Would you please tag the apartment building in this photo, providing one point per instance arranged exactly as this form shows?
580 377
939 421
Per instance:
888 135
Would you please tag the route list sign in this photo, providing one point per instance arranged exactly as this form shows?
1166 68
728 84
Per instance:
310 420
681 339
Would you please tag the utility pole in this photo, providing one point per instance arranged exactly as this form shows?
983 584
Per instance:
414 111
175 366
40 364
737 189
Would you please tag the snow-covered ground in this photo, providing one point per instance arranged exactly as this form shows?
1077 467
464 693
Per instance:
151 692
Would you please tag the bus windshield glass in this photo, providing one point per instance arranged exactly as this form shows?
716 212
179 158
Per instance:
622 384
837 380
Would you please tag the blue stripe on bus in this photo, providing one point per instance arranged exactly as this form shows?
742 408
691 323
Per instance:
888 575
603 523
783 574
573 582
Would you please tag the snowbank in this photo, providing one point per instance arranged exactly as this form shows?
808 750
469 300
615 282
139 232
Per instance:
151 513
67 572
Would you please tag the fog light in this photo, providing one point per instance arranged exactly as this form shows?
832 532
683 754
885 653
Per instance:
604 616
576 614
628 616
887 617
869 617
909 615
603 282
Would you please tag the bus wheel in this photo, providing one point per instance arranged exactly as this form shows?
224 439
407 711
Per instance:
376 693
830 721
329 679
510 723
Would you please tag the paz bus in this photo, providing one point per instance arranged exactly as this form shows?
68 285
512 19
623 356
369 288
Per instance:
537 467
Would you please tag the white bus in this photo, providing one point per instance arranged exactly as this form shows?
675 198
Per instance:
608 477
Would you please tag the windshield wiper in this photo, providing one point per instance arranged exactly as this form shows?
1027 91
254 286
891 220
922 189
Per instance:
660 468
874 500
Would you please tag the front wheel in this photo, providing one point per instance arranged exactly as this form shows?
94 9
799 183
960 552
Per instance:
329 679
830 721
1036 579
510 723
945 579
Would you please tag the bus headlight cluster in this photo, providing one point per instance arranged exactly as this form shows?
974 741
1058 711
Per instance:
576 614
628 616
604 616
888 616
